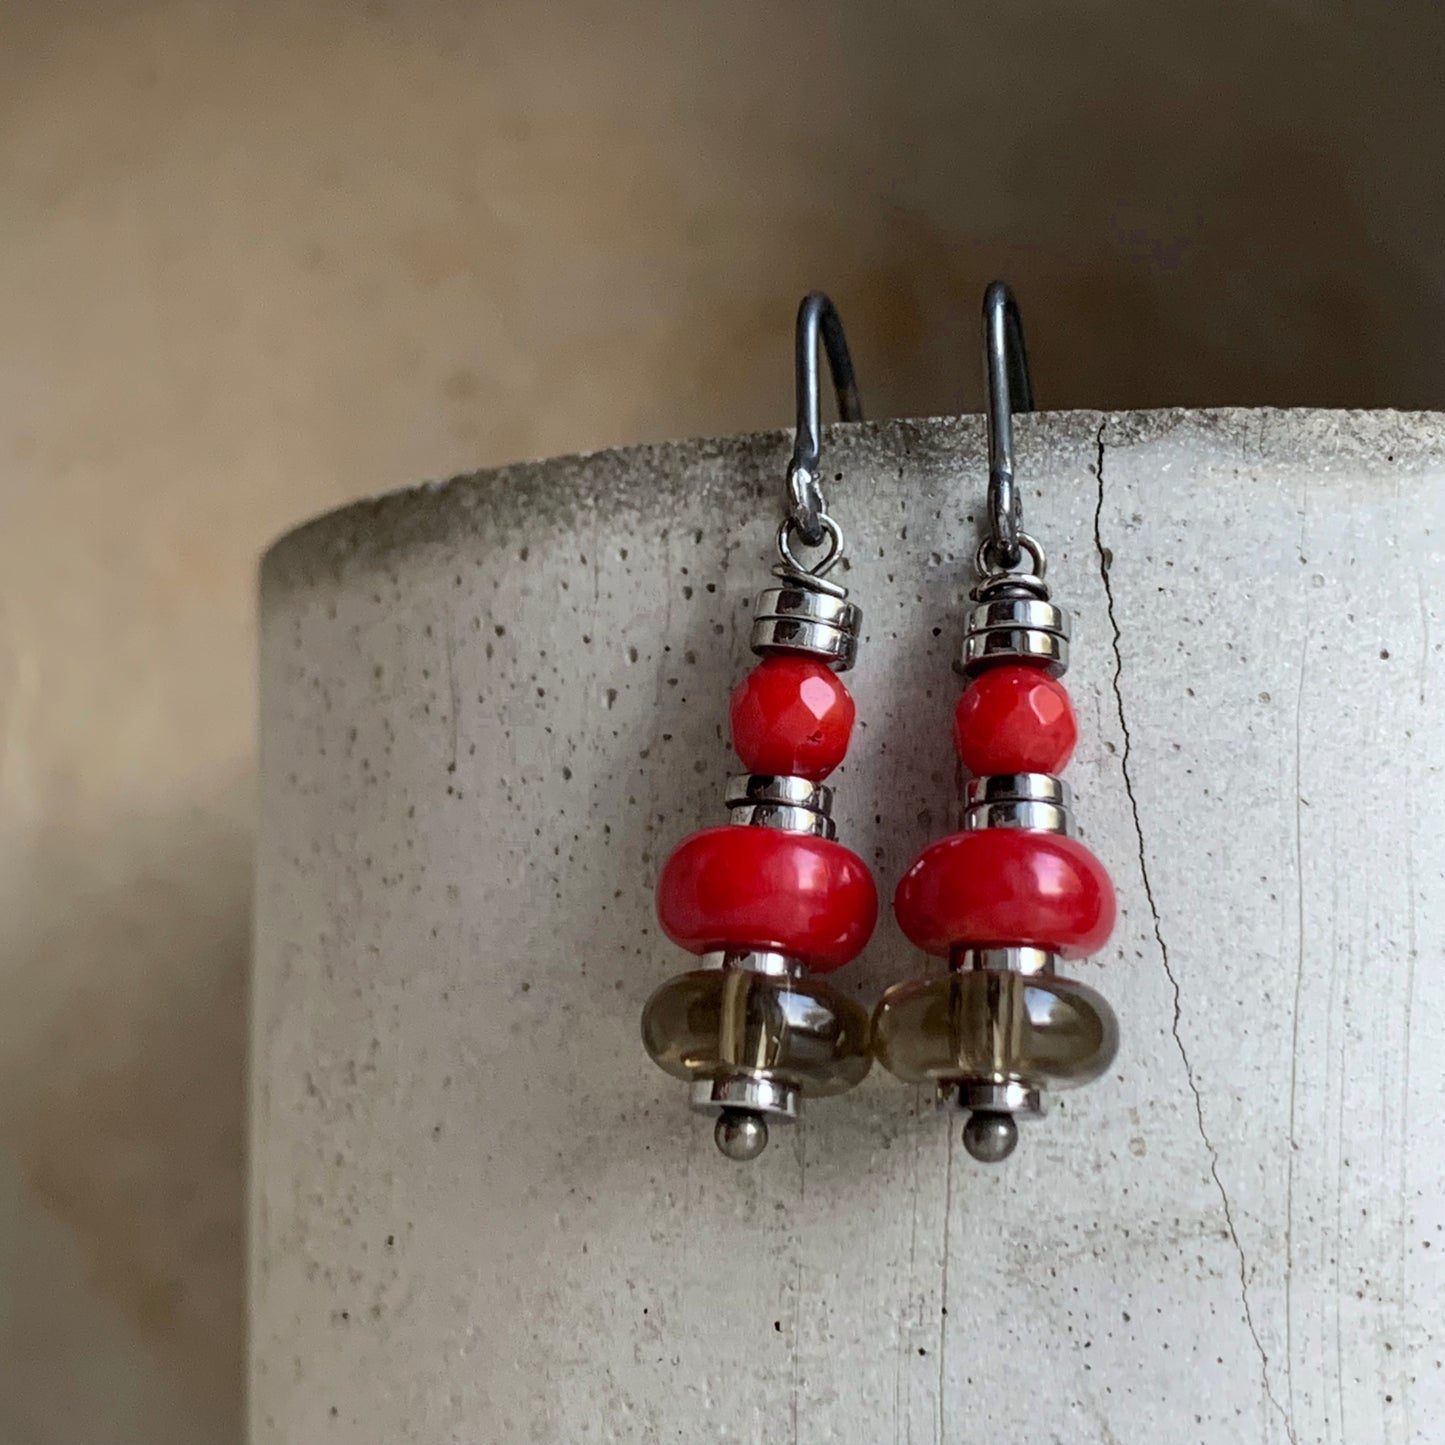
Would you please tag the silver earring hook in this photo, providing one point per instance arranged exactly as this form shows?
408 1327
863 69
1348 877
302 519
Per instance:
1010 391
808 513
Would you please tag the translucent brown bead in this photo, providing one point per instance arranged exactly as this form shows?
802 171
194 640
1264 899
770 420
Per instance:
1049 1033
720 1022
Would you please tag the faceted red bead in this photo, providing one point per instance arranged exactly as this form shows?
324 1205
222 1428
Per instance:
1001 886
744 887
792 715
1015 720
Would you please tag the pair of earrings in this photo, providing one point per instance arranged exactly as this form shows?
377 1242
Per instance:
771 905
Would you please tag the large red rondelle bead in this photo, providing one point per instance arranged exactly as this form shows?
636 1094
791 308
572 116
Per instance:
744 887
1002 886
792 715
1015 720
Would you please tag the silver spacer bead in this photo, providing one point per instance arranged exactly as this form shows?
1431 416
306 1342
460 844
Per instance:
1037 802
1013 959
755 960
796 805
778 1101
1012 620
994 1096
808 621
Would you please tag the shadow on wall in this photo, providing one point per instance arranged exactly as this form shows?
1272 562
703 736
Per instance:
1222 207
122 1181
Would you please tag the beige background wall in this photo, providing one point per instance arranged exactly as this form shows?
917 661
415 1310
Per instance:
258 259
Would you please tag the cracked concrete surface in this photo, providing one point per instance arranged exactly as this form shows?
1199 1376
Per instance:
1105 562
1235 1236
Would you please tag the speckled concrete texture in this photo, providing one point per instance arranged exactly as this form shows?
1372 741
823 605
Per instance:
488 709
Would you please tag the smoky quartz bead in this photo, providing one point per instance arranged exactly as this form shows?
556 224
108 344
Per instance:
717 1023
989 1024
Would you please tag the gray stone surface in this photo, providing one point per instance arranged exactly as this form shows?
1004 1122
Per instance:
489 708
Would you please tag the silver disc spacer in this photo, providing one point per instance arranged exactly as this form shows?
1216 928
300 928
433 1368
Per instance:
803 619
777 1101
1013 621
754 960
1014 958
795 805
1036 802
994 1096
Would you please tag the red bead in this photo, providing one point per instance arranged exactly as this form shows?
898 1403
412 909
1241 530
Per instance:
1002 886
1015 720
742 887
792 715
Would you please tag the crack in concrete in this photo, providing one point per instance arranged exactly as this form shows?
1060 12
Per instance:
1106 560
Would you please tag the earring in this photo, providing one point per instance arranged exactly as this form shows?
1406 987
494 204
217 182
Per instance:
772 903
1014 892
